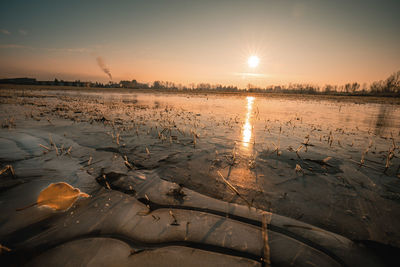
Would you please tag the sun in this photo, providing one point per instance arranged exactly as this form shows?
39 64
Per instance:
253 61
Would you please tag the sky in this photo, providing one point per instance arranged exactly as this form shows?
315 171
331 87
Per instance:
305 41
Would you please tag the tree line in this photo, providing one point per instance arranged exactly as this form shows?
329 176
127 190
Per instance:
387 87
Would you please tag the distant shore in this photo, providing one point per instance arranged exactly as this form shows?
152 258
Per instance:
358 99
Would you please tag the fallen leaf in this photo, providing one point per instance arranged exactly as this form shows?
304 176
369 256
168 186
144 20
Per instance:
59 196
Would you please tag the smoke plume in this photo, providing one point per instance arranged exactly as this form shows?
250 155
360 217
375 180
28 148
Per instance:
103 67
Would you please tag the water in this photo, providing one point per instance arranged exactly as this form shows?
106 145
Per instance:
246 118
332 164
250 119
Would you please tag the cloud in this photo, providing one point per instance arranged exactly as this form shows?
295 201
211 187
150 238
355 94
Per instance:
22 32
4 31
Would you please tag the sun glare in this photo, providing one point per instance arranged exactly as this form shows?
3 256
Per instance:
253 61
247 127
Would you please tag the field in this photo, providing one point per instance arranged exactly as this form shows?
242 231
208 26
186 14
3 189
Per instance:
208 170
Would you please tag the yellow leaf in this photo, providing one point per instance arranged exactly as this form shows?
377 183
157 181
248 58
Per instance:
59 196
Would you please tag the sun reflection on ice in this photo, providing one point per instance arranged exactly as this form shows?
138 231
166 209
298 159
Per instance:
247 127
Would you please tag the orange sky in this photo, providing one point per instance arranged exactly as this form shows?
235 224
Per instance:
308 41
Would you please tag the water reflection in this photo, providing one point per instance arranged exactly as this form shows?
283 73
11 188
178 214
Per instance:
247 126
383 120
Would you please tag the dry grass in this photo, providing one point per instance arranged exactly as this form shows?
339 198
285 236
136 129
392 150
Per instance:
265 258
7 168
234 189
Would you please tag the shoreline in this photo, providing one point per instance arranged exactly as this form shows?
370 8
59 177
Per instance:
357 99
